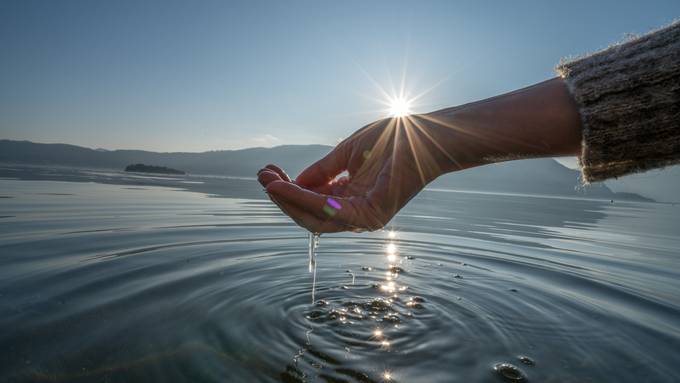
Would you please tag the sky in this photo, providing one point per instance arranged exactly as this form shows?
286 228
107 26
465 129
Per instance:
209 75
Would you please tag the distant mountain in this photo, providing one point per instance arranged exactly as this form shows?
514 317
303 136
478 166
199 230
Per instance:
536 176
661 185
244 162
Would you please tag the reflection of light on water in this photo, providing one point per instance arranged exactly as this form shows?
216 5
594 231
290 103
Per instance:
392 234
377 333
387 375
391 250
385 344
390 287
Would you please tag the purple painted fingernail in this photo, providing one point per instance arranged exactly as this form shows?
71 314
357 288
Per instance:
333 203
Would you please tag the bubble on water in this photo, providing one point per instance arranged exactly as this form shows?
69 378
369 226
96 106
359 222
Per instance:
366 268
510 372
314 315
396 269
458 276
415 302
526 360
391 318
379 305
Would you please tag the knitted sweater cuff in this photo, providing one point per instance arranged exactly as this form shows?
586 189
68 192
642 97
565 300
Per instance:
629 100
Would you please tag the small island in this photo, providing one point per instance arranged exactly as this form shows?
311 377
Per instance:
141 168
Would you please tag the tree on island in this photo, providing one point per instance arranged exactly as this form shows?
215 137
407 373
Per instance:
141 168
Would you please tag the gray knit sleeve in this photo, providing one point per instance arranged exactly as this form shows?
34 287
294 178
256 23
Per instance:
629 99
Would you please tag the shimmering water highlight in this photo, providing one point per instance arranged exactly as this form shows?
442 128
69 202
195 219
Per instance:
129 281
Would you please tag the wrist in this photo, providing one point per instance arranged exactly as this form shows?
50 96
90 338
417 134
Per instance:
455 137
539 121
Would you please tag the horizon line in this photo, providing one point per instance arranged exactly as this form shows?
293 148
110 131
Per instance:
157 151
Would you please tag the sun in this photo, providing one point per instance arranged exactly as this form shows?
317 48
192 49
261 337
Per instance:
399 106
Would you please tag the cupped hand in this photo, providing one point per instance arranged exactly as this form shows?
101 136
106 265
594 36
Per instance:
387 163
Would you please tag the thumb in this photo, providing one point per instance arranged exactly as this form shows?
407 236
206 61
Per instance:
326 169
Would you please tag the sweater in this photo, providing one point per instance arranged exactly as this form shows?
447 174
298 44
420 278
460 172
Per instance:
628 96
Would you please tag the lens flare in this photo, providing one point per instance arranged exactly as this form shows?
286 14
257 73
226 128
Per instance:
399 106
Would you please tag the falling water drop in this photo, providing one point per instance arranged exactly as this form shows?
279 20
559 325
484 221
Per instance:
313 244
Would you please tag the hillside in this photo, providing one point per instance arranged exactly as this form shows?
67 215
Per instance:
536 176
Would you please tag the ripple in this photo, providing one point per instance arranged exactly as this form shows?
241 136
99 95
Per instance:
510 372
208 293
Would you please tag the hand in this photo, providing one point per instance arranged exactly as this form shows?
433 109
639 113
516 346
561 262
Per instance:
388 162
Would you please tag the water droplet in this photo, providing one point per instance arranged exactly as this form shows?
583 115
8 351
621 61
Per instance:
526 360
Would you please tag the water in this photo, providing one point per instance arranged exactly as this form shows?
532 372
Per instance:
118 279
313 245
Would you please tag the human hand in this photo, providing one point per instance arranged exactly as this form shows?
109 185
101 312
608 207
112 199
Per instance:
388 162
391 160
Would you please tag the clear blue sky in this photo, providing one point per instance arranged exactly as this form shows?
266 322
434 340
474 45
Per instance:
205 75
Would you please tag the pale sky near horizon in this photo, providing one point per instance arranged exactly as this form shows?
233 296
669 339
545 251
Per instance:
210 75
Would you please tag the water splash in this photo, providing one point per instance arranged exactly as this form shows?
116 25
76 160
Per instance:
313 245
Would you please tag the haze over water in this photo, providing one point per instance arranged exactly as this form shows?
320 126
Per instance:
129 278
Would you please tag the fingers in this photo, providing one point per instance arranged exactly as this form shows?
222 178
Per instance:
266 176
324 170
302 217
304 199
352 213
307 220
278 171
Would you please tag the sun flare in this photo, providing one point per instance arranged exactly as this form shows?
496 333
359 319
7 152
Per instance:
400 107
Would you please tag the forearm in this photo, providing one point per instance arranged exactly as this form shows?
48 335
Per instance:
539 121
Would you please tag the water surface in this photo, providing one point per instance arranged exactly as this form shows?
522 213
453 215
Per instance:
126 278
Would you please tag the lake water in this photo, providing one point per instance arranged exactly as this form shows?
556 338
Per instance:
113 277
